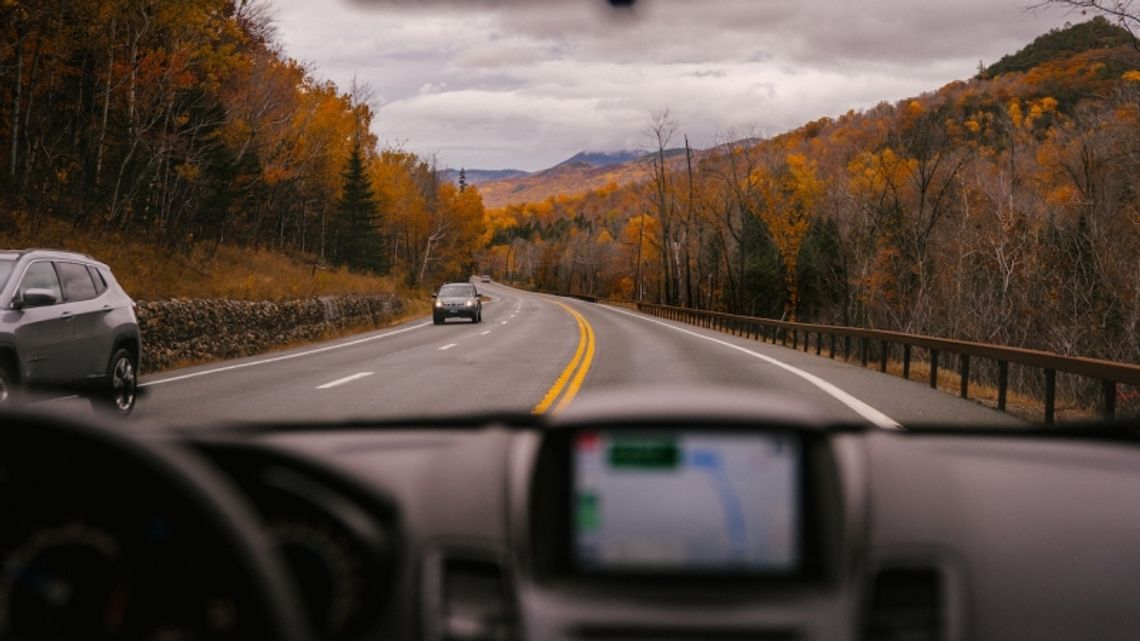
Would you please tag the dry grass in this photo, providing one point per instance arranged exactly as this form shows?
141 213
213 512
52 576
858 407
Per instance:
151 273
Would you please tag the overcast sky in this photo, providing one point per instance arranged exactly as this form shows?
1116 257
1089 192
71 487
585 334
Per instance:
526 84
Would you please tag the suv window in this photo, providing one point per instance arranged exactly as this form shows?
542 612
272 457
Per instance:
41 275
6 265
100 283
77 284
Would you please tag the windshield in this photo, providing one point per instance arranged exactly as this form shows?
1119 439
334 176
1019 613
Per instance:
897 214
457 290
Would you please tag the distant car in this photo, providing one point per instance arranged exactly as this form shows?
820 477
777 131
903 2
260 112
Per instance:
66 324
457 300
485 278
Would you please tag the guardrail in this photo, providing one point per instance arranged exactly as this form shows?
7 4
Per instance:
586 297
1109 373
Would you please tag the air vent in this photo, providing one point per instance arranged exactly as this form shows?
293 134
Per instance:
905 605
478 602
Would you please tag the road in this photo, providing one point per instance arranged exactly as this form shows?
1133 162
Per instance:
531 352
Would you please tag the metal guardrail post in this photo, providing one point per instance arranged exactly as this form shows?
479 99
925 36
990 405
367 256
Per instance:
884 352
863 350
1109 398
934 368
1050 394
906 362
964 362
1003 383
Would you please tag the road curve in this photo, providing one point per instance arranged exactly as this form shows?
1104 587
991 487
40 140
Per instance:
532 352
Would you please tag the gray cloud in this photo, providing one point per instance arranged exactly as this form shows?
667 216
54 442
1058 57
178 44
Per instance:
495 83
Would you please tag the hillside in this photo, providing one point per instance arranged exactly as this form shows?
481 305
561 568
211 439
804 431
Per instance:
201 271
1097 33
1000 210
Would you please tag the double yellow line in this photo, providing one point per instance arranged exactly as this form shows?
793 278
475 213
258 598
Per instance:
570 381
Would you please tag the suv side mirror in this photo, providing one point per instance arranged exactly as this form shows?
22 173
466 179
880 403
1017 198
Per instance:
34 297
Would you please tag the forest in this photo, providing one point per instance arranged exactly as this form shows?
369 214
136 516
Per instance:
183 124
1001 209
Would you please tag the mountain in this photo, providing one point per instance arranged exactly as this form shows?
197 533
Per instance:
1097 33
584 171
581 162
601 159
481 176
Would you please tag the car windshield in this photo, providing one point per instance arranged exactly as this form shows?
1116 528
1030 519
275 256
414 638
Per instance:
900 214
457 290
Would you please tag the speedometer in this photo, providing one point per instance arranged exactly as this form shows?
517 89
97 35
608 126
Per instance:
65 581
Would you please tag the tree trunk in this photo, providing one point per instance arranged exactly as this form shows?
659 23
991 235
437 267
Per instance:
17 95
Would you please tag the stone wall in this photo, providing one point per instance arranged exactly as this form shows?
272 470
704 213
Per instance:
181 330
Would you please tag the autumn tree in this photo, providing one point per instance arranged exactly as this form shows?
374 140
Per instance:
789 194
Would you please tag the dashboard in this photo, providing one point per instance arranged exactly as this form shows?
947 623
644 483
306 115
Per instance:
650 514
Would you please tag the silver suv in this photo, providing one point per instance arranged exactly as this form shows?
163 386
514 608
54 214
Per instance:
65 324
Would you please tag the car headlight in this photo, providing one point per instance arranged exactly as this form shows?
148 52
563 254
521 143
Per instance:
470 303
439 303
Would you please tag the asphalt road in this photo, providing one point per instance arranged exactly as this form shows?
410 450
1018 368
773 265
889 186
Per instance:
531 352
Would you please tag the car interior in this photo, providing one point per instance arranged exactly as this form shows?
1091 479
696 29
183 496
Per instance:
639 514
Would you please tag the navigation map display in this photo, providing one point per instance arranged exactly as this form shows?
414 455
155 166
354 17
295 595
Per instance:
687 502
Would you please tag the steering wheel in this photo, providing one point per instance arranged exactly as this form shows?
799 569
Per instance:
108 536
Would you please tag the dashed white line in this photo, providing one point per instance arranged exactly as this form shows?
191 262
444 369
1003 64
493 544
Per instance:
504 322
346 379
447 347
485 333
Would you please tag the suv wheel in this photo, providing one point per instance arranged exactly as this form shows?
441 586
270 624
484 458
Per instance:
7 387
121 387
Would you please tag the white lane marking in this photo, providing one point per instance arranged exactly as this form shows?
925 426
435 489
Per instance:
346 379
447 347
504 322
485 333
872 415
283 357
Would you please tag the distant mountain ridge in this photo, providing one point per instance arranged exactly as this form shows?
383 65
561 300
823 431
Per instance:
583 171
481 176
602 159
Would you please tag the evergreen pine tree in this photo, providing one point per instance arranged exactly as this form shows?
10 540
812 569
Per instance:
362 246
462 180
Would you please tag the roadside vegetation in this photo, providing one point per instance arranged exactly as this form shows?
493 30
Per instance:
1001 209
148 273
183 127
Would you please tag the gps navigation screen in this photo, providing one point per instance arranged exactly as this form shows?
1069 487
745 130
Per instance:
687 502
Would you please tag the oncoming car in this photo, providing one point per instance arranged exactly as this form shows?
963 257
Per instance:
65 323
457 300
